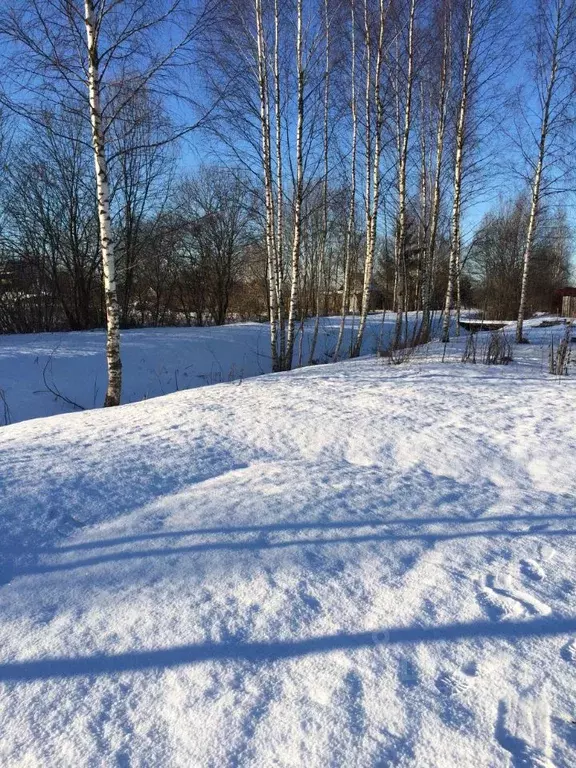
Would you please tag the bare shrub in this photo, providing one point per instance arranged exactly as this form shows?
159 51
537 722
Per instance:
51 386
398 354
559 358
469 354
5 408
497 350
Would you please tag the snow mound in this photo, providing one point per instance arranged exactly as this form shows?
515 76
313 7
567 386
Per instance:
354 564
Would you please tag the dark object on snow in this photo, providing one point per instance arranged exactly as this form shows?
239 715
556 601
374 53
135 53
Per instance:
567 298
473 326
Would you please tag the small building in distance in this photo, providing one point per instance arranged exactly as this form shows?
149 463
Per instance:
567 301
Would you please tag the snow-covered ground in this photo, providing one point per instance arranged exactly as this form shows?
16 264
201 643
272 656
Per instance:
157 361
357 564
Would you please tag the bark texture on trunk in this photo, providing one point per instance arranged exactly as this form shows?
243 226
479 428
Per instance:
113 359
458 165
350 226
427 286
402 166
271 246
537 179
372 164
297 233
325 188
279 257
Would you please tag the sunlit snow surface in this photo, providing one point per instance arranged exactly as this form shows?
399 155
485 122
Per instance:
357 564
49 373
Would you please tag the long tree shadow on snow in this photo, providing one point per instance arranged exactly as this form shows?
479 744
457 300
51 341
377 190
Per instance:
317 525
258 652
262 544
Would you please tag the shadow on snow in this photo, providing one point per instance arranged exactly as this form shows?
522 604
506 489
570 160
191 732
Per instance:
164 658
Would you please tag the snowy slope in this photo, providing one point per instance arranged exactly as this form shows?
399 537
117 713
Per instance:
348 565
157 361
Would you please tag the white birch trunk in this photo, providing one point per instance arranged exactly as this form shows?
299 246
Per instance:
279 259
326 146
458 165
402 164
528 252
537 180
435 206
113 359
372 168
268 183
295 272
458 290
424 219
352 210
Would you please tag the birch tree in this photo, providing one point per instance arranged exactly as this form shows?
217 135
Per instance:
69 53
280 203
113 359
272 243
373 101
404 127
453 262
553 49
265 65
497 256
323 253
441 101
299 189
350 225
482 51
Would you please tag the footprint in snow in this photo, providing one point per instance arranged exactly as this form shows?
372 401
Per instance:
547 552
538 527
454 711
304 607
242 750
451 685
353 696
524 731
408 673
532 570
568 652
311 602
68 524
348 738
502 600
495 606
471 669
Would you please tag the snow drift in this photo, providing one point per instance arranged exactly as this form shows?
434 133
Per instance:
355 564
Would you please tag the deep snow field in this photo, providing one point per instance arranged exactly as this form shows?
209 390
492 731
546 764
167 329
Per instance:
356 564
156 361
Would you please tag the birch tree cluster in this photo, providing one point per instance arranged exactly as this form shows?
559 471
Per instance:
193 162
